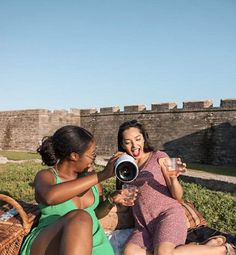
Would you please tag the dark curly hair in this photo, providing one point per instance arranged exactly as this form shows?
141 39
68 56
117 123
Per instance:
63 142
135 124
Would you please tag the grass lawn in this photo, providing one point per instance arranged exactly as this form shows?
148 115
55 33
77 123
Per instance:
19 155
223 170
218 208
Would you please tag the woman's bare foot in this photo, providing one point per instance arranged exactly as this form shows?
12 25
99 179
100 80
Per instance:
215 241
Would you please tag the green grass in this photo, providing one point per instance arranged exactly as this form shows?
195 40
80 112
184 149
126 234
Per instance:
222 170
218 208
19 155
16 179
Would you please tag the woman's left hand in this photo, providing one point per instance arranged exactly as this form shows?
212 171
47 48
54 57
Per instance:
120 197
181 166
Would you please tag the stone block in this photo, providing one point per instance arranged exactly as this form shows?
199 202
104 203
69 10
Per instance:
163 107
110 109
84 112
198 104
135 108
228 103
75 111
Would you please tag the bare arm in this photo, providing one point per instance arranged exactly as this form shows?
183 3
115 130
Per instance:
172 182
116 198
105 205
50 193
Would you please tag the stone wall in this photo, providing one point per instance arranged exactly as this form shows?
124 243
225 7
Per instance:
23 130
198 132
19 129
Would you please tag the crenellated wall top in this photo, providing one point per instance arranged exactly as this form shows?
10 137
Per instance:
228 103
199 123
225 104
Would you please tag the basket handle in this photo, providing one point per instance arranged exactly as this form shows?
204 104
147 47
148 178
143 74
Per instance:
19 208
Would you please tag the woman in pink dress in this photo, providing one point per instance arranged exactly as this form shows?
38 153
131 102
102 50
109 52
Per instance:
160 221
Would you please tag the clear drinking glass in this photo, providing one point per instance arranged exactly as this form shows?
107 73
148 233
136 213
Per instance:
129 191
172 166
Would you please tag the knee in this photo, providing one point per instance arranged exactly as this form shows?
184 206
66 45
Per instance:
131 249
128 251
79 217
164 250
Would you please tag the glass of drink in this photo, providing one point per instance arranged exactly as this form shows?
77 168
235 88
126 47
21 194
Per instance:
129 191
172 166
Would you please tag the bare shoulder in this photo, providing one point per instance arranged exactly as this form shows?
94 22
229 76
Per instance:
43 181
44 172
44 175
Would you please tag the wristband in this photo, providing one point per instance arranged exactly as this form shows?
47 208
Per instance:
110 200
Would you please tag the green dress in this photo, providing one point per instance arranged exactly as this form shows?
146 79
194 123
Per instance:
50 214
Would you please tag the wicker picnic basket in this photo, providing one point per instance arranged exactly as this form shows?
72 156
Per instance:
13 230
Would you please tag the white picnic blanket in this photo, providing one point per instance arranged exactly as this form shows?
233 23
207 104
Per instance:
118 239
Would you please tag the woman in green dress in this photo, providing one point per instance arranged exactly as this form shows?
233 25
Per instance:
70 197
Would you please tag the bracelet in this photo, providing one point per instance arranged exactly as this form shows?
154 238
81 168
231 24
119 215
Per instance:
110 199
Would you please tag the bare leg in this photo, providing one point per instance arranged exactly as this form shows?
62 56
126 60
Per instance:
167 248
213 247
132 249
70 235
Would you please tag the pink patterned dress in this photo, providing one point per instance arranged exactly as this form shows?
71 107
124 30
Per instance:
158 216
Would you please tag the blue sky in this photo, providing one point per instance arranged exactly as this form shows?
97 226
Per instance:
58 54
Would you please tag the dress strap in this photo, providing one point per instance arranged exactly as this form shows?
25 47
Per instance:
54 171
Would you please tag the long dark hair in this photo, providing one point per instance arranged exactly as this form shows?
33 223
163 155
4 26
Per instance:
63 142
134 124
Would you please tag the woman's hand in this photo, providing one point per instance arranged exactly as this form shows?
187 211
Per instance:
172 181
181 167
173 167
122 198
109 168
